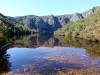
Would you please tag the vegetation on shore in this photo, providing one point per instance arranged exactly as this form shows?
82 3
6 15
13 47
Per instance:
87 28
92 48
9 29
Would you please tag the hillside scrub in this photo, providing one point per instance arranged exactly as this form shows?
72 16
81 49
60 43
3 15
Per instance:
87 28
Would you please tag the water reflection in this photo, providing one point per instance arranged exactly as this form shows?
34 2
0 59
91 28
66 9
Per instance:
33 41
49 61
47 55
92 48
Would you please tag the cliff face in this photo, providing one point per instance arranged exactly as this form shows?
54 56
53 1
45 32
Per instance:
50 22
43 22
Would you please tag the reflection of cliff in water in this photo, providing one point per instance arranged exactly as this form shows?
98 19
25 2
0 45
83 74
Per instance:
4 62
36 41
48 41
92 48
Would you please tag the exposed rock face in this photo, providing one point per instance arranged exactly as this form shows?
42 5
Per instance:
89 12
43 22
51 22
76 16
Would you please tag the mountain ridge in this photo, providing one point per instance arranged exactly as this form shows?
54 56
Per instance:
51 22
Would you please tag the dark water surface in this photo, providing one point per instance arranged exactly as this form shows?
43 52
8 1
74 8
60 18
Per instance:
46 55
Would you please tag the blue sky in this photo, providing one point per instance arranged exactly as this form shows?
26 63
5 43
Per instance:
45 7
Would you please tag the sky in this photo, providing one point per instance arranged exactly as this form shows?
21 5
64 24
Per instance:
45 7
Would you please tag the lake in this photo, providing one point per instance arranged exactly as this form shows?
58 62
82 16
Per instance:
48 55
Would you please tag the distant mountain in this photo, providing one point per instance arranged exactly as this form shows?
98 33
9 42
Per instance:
84 25
47 23
43 22
50 23
87 28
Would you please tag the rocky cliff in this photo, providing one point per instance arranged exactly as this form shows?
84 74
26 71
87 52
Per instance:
50 23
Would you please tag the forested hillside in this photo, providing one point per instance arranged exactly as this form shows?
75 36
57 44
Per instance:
8 29
87 28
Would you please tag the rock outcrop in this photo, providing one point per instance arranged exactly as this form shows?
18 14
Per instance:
51 22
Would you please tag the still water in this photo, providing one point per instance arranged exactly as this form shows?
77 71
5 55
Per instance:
46 55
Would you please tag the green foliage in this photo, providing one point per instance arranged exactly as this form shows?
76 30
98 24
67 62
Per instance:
87 28
9 29
92 48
